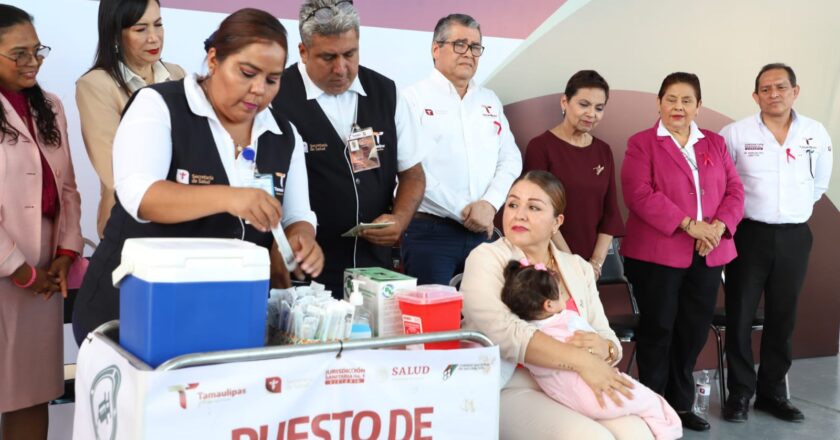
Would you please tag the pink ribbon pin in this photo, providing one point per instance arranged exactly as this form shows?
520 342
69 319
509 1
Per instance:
789 155
498 127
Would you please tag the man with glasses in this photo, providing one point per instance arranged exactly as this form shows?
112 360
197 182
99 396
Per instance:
784 160
361 140
471 162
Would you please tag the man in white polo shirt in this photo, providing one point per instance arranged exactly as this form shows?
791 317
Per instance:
470 158
784 160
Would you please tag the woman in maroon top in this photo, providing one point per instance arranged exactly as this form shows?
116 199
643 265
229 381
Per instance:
40 235
585 166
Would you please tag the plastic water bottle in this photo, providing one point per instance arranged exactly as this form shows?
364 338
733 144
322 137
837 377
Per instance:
361 318
702 388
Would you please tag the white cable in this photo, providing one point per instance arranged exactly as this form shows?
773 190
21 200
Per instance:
356 193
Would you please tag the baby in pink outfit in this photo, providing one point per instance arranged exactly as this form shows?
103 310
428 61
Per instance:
532 293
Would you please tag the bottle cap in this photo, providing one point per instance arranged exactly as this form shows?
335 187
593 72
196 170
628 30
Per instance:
249 154
356 296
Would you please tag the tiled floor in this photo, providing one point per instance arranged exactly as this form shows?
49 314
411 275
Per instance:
815 389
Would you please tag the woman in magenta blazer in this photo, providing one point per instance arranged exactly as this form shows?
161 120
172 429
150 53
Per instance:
39 232
685 200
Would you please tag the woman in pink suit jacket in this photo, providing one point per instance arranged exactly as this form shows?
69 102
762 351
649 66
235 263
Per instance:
39 232
685 200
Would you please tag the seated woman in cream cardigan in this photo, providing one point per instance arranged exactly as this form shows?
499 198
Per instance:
533 213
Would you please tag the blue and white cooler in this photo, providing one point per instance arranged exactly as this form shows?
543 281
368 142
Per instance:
190 295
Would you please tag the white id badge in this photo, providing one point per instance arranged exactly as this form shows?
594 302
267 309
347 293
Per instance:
362 148
265 182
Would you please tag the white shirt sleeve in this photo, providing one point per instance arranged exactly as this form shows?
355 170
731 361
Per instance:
824 162
728 136
296 198
142 149
508 168
409 148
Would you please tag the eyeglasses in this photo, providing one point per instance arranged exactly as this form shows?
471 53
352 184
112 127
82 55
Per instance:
325 14
22 58
460 47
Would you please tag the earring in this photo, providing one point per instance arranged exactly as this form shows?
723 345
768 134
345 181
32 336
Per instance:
564 113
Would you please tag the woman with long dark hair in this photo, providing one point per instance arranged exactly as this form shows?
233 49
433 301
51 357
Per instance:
128 57
40 236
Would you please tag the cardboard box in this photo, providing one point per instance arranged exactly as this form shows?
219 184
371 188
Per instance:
379 287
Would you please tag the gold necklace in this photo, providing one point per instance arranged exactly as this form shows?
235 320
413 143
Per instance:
551 264
238 148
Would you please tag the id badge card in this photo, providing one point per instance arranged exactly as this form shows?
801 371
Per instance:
362 150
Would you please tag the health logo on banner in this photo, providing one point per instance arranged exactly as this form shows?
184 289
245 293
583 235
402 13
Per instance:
103 402
274 384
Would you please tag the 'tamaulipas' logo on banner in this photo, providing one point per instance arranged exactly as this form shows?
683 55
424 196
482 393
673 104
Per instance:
182 393
205 397
103 402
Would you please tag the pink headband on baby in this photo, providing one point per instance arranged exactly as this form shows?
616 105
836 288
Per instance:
539 266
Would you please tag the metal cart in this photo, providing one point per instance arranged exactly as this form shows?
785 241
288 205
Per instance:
358 389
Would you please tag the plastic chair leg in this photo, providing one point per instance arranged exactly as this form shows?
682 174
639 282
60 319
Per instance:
630 362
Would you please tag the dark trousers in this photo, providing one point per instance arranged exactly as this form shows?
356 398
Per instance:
675 309
434 249
772 259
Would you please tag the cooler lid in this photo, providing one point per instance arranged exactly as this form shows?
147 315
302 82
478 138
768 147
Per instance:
430 294
173 260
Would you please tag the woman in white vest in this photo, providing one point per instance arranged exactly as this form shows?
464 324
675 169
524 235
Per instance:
186 152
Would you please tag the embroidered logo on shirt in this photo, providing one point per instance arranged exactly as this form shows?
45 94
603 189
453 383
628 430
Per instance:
317 147
280 178
488 111
753 150
201 179
598 170
182 176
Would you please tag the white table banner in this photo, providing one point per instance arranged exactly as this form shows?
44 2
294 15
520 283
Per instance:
364 394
